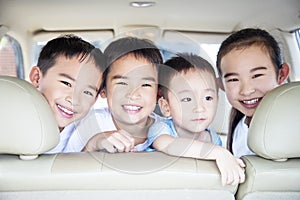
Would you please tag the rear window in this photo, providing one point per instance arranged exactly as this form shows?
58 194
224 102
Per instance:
11 59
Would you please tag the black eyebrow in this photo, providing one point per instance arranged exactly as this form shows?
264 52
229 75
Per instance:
149 79
67 76
258 68
125 77
230 74
119 77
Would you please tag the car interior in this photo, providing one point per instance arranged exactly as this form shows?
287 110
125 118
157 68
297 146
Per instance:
28 128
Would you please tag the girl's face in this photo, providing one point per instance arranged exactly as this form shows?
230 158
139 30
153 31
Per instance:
131 90
192 101
247 75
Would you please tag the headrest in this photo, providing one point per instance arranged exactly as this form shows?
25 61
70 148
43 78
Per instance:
28 127
274 131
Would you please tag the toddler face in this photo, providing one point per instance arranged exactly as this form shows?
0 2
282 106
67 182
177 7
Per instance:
193 100
247 75
131 90
70 88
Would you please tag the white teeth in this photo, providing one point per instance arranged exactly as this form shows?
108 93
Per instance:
65 110
252 101
132 108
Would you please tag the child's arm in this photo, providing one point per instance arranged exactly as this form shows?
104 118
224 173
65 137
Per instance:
231 168
111 141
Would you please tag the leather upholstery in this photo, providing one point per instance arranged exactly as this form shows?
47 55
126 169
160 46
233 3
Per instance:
28 126
275 128
274 136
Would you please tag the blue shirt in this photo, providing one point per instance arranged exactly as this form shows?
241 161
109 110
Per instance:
166 126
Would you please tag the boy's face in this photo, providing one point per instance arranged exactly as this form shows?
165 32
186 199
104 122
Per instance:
70 88
131 90
247 75
192 100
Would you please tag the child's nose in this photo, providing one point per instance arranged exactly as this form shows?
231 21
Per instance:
247 89
72 100
133 94
199 107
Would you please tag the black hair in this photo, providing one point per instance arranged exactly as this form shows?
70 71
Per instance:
65 45
140 48
249 37
181 63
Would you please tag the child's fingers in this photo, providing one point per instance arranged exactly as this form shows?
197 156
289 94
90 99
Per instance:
224 178
108 146
240 162
242 175
128 136
120 142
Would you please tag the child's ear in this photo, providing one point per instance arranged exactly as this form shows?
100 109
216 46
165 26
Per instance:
164 107
35 76
103 93
283 73
220 83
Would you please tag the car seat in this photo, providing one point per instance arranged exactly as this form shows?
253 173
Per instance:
274 135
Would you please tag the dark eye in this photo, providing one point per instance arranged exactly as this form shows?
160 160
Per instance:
257 75
88 93
186 99
146 85
232 80
66 83
121 83
209 98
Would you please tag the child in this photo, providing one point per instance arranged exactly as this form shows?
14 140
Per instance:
250 65
130 86
189 94
68 74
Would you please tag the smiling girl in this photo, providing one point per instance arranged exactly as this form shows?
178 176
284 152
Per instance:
249 63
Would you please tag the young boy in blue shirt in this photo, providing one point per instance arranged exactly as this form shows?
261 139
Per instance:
189 99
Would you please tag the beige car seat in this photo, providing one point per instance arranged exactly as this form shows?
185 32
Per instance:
29 129
274 136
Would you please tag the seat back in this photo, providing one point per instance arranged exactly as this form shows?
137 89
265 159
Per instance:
274 135
28 127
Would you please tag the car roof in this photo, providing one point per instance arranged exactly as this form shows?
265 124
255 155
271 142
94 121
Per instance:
192 15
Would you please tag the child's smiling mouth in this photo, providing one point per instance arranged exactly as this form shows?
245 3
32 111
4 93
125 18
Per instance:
131 108
251 103
65 111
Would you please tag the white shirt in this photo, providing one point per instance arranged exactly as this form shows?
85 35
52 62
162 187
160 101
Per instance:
97 121
240 138
63 139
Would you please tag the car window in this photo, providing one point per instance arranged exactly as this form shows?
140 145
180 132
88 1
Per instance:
11 59
98 38
297 35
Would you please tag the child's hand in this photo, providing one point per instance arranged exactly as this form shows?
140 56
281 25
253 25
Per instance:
111 141
118 141
231 168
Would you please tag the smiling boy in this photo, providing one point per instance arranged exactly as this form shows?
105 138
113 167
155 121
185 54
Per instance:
130 86
68 74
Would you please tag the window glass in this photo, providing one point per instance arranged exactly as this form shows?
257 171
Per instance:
11 59
297 32
296 68
97 38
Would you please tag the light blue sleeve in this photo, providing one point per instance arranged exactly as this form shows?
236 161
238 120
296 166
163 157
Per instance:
157 129
215 138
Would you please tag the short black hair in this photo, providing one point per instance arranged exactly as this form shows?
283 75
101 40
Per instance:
67 45
140 48
181 63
